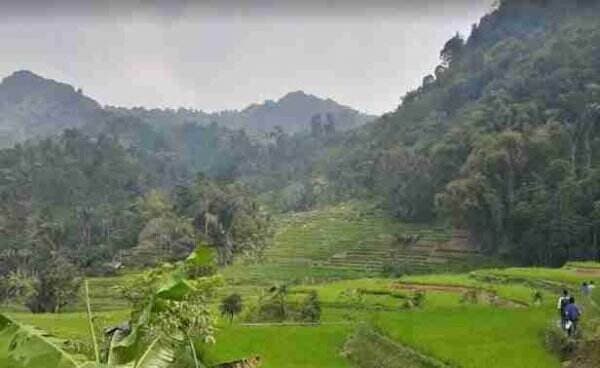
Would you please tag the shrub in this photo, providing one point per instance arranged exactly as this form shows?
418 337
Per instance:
311 308
231 305
557 341
418 299
470 296
55 286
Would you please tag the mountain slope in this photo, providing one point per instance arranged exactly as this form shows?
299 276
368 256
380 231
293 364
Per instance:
503 140
295 111
32 106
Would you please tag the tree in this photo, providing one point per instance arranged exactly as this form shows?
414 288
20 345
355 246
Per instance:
279 294
452 50
316 126
231 306
311 307
56 284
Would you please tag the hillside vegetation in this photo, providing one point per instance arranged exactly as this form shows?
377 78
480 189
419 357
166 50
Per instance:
503 138
485 318
423 239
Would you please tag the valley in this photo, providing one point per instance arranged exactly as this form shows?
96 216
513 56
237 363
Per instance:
485 317
459 229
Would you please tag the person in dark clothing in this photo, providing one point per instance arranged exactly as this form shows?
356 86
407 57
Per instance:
572 314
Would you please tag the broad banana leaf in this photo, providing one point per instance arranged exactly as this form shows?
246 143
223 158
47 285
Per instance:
29 347
202 256
125 349
159 354
175 289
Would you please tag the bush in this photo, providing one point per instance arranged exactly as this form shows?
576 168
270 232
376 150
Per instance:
55 286
399 269
418 299
269 311
231 305
470 296
311 308
557 341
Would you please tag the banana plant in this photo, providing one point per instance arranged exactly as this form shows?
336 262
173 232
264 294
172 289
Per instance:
174 313
30 347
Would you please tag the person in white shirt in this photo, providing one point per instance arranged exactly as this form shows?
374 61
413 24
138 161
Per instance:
561 306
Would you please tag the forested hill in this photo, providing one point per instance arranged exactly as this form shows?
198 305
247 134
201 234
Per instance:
32 106
503 138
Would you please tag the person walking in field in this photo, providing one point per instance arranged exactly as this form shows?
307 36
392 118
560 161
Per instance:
561 306
585 290
572 314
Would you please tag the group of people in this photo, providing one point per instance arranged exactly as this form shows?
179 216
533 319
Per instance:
569 311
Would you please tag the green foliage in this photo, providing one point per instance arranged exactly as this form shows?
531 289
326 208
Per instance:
310 310
173 314
201 262
470 296
231 306
502 142
225 215
32 348
418 299
368 349
557 341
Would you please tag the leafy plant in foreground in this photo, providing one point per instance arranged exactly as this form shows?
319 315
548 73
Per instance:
174 315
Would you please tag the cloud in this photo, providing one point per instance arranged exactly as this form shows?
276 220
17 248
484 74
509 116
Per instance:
160 54
211 8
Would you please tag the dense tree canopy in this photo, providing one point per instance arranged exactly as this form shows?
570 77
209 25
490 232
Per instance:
504 140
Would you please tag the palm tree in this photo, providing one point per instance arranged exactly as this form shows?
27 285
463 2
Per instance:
231 306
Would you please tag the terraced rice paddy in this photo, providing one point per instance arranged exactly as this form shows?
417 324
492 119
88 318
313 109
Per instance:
350 241
483 318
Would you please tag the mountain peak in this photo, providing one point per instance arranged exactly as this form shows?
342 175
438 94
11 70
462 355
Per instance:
298 93
24 73
30 103
294 110
23 77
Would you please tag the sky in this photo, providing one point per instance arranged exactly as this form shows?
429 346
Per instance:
217 55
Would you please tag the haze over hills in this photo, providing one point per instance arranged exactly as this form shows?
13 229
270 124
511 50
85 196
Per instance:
33 106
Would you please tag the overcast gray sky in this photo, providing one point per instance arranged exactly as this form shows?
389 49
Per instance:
215 55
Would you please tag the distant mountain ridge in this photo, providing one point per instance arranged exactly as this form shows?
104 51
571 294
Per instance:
32 106
295 110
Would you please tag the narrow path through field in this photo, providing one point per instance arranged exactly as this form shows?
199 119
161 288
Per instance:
396 354
283 324
591 271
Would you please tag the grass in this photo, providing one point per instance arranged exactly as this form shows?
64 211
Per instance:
282 346
474 336
347 241
4 342
320 251
444 328
558 275
71 326
369 349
